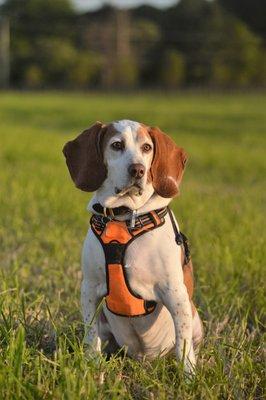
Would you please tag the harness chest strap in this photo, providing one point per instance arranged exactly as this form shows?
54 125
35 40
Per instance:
115 236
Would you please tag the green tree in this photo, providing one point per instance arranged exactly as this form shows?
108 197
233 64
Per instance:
219 49
173 69
85 70
36 27
237 62
252 12
125 72
146 36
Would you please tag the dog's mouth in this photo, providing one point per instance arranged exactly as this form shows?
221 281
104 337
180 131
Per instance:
135 189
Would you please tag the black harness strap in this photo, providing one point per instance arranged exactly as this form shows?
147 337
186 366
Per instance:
180 238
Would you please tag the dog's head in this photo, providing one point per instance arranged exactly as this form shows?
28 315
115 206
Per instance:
124 158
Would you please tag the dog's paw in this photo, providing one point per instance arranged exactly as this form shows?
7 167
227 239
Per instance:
189 370
92 355
93 343
190 364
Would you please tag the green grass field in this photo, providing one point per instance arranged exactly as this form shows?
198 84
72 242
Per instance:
43 221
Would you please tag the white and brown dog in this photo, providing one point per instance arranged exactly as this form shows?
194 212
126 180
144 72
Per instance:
143 273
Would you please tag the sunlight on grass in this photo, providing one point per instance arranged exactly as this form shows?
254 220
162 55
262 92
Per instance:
44 221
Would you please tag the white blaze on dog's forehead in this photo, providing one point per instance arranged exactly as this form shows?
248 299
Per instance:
126 125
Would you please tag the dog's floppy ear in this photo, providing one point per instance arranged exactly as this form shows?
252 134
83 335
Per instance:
168 164
84 158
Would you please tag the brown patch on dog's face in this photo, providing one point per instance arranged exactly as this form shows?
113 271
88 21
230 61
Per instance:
109 134
143 134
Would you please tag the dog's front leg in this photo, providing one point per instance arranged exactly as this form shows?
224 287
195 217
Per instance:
175 298
89 303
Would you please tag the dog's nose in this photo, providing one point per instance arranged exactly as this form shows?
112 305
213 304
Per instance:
136 170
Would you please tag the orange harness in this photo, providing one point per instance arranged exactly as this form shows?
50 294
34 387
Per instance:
115 236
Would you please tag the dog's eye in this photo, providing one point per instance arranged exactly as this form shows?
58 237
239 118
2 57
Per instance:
117 146
146 148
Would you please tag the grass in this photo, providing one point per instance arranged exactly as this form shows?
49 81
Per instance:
43 222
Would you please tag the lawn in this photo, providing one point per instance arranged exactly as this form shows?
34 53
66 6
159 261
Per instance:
43 221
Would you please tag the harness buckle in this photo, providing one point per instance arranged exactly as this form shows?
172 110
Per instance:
179 239
104 219
133 219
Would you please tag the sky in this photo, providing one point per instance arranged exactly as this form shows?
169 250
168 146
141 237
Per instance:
84 5
94 4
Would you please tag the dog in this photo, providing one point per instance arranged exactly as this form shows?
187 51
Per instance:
135 260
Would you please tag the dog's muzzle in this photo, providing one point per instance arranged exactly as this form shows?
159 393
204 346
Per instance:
136 170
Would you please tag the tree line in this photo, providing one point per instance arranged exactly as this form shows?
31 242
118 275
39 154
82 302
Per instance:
219 43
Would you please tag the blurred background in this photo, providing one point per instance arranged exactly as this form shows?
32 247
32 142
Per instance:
196 69
121 44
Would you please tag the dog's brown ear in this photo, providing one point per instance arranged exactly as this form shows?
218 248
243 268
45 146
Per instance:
168 164
85 160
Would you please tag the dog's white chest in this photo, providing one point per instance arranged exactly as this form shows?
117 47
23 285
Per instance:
147 336
150 259
146 264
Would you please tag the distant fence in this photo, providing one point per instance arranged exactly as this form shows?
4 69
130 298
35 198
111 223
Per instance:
122 49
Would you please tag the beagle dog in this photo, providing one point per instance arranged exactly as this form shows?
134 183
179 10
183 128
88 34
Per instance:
134 259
